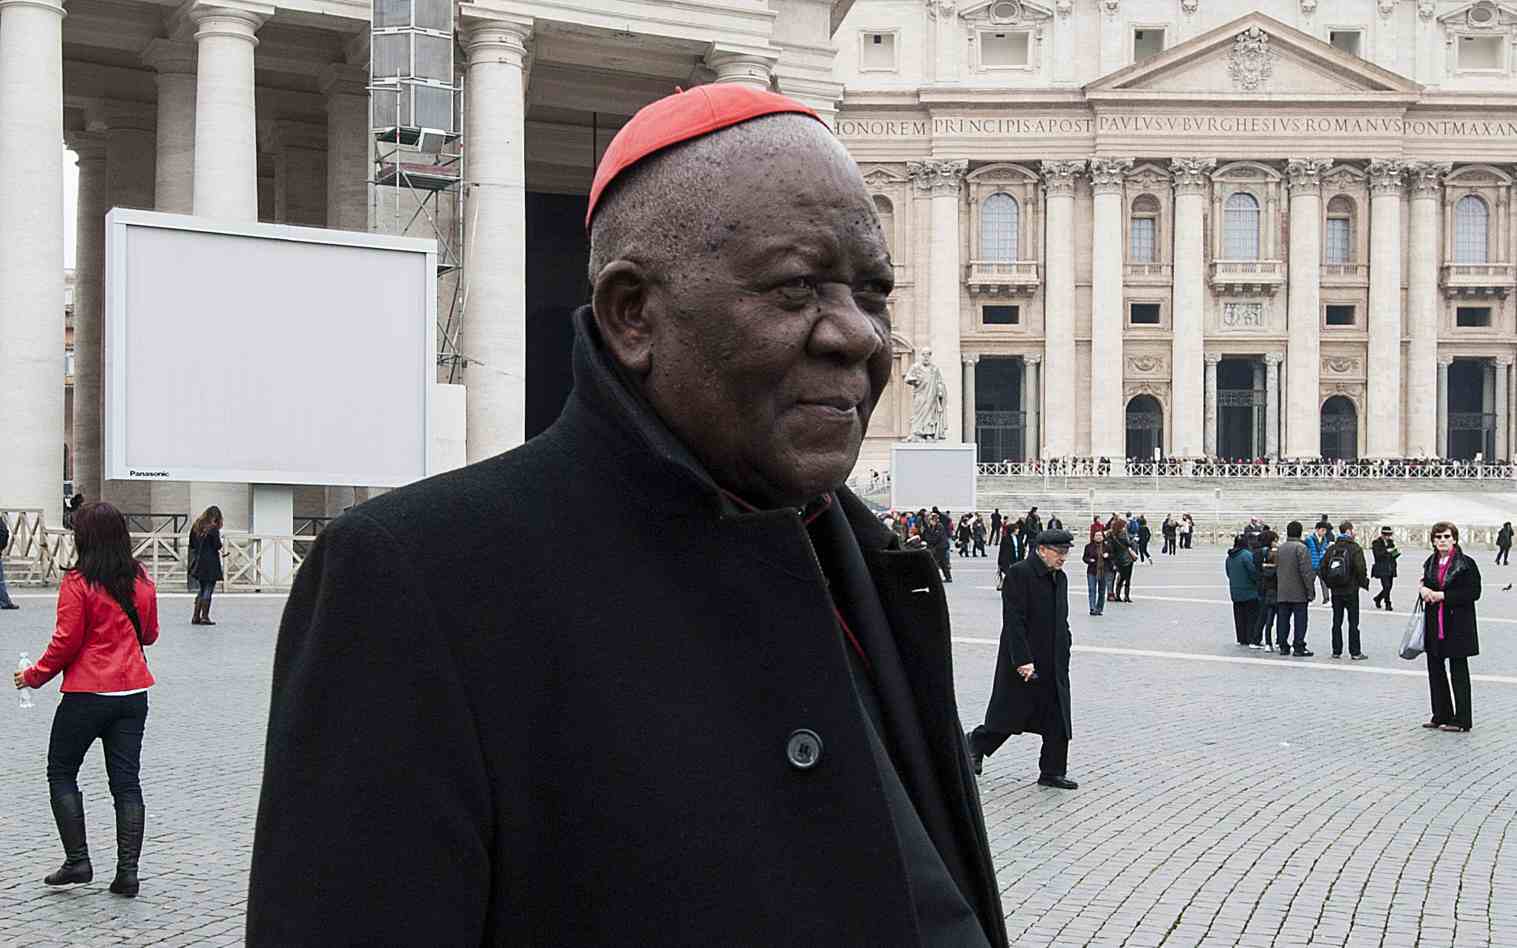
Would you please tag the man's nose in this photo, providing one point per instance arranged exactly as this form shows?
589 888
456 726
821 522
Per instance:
845 330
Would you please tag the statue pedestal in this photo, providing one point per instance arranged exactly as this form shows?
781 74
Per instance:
928 473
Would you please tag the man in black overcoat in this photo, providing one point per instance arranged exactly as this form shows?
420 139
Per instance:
732 722
1031 693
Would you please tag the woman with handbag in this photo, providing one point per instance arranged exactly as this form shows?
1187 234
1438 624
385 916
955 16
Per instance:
107 615
1450 588
205 561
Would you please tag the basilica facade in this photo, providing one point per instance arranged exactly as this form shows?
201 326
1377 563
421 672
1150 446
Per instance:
1197 228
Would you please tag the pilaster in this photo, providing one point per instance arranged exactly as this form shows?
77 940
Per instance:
1059 299
1425 235
1107 417
1031 401
1383 383
1212 360
1303 426
1272 362
942 181
1191 179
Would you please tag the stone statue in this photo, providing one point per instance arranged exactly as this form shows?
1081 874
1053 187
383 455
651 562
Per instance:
929 400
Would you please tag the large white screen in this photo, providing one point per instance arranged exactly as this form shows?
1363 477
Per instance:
924 474
266 354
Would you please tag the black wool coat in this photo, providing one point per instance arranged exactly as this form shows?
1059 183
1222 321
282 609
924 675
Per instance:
481 733
1385 563
1034 628
1461 590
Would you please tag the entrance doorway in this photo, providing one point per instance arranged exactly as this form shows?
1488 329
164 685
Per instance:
1240 408
1471 408
1145 427
999 419
1340 429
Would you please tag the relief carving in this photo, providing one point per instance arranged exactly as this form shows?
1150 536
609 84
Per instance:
1340 365
1107 173
1251 60
1191 173
1147 364
938 177
1059 176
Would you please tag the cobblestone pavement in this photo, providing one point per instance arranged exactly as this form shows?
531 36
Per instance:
1227 797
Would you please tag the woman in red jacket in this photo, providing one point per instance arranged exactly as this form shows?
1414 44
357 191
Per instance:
107 614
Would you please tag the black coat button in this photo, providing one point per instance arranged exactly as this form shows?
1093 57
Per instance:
803 749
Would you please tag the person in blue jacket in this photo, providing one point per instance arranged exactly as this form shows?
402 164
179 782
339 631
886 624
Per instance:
1317 545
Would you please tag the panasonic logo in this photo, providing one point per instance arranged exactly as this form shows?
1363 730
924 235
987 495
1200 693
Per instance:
147 473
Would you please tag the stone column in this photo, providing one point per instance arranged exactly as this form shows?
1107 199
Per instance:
226 138
1503 368
1113 38
31 256
1425 237
1059 299
89 261
748 69
1508 405
1031 395
346 89
226 161
173 183
1257 411
969 360
1303 426
945 277
1108 434
300 173
1188 328
1210 440
1272 362
494 338
1383 392
1443 406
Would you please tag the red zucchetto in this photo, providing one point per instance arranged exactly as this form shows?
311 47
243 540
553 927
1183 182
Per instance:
681 117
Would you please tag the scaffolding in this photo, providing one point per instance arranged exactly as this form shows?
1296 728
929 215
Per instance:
416 112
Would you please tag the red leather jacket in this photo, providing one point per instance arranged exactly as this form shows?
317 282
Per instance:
94 644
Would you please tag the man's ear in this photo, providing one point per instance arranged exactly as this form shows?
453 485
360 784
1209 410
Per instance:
620 300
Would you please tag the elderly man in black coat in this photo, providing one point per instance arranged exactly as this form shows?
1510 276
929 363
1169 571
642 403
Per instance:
1031 693
730 722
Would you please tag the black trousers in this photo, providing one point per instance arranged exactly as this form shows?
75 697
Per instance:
117 720
941 554
1053 760
1122 589
1284 613
1264 624
1503 554
1346 604
1386 582
1244 616
979 547
1445 711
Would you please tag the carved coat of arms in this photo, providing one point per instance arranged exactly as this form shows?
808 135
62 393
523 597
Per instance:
1251 60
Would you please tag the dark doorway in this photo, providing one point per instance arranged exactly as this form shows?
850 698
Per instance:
1240 409
1340 429
1472 420
999 420
1145 427
558 256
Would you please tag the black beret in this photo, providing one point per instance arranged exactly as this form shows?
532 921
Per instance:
1056 538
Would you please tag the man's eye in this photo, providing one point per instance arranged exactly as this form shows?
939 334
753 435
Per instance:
798 289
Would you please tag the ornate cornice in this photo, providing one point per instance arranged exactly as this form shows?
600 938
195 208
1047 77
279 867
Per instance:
1059 176
938 176
1107 174
1305 174
1425 178
1191 173
1385 176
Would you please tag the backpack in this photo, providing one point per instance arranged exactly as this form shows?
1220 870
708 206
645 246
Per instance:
1335 567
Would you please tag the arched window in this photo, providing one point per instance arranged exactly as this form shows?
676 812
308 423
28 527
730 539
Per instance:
999 222
1471 230
1339 247
1143 232
1240 228
886 211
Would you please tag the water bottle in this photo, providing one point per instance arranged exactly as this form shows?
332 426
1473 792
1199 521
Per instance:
26 693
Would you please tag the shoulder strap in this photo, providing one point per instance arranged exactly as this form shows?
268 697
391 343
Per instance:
129 606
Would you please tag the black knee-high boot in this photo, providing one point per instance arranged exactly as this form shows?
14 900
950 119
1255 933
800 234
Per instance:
130 816
68 813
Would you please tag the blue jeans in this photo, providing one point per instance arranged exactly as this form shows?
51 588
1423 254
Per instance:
1095 586
206 588
1284 613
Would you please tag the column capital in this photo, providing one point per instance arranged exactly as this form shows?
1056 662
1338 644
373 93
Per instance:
1191 174
1273 359
1505 361
486 36
170 57
938 176
343 79
745 67
53 6
969 358
1444 362
1385 176
1059 176
1425 178
1212 358
238 19
1107 174
1305 174
1032 358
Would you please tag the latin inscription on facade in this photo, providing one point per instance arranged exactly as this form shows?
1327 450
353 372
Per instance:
1243 125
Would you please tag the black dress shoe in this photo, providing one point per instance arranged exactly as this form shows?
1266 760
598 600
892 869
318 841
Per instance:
1304 653
1063 783
10 606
